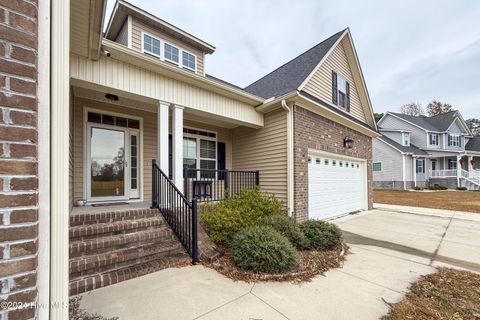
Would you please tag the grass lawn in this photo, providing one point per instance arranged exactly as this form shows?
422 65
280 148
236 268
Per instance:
446 294
449 200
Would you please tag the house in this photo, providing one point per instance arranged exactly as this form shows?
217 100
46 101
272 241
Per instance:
131 125
421 151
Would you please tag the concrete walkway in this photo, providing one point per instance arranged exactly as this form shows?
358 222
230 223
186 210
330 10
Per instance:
390 248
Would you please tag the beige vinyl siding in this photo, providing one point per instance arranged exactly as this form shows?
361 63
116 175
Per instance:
265 150
320 84
149 143
128 78
122 36
138 27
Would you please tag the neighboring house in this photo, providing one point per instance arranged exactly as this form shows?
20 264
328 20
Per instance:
131 118
420 151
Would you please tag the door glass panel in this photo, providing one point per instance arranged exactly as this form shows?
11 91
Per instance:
107 163
133 162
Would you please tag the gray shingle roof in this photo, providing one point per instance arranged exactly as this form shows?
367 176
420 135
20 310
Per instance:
439 122
473 144
290 76
411 149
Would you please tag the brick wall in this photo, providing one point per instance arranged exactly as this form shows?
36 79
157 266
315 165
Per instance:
18 154
316 132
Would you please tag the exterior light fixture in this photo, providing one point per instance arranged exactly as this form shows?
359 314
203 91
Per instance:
348 143
111 97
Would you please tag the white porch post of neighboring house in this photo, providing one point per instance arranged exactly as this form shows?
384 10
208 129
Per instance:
459 170
414 170
162 136
470 164
177 144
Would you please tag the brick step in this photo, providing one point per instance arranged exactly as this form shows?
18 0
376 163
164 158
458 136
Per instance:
91 231
112 259
112 216
103 279
102 244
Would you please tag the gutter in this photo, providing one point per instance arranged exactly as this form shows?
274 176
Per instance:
290 165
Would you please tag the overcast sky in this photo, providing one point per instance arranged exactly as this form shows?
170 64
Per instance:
409 50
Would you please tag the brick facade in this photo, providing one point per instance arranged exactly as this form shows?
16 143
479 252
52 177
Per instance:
312 131
18 157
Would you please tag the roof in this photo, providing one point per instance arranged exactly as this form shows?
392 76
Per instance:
439 122
410 149
223 82
291 75
473 144
123 9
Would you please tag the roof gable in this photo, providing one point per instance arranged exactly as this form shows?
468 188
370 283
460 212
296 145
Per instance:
438 123
290 76
405 149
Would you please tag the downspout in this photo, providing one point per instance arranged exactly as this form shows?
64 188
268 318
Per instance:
289 157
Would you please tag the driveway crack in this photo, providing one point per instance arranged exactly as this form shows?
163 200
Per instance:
435 253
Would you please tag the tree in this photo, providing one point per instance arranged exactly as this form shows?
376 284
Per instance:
377 116
474 126
412 109
436 107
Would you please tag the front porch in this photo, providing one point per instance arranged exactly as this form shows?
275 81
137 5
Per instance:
454 171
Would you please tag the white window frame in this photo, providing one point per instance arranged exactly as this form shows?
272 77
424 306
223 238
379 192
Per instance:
194 56
454 161
339 76
381 166
405 136
454 140
163 43
143 45
198 138
436 139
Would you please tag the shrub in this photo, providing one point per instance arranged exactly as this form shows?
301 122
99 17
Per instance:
462 188
321 235
221 221
418 188
262 249
289 228
437 187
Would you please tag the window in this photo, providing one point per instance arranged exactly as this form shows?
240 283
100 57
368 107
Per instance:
340 163
420 166
309 160
334 162
171 53
151 45
190 154
434 164
406 139
113 120
340 91
200 153
318 161
377 166
454 140
325 162
433 139
452 164
188 60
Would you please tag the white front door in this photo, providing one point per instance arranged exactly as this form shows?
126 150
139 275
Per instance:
335 186
107 170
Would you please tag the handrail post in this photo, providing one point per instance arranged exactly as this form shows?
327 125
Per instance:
257 178
194 232
225 183
154 186
185 182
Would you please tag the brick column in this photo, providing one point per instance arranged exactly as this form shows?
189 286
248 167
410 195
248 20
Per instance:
18 156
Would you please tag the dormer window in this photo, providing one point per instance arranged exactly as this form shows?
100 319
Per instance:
454 140
171 53
151 45
189 60
433 139
406 139
340 91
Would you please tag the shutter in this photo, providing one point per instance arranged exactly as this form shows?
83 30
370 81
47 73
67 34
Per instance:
347 102
221 155
334 88
430 136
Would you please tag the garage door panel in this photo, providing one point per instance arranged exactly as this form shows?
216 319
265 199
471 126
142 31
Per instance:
334 190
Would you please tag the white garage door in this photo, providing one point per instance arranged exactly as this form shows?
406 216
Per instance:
335 186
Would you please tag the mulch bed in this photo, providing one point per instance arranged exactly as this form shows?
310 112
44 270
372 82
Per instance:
446 294
312 263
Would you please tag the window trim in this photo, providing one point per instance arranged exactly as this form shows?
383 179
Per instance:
196 60
143 45
430 139
198 138
422 161
404 136
381 166
170 60
456 140
340 76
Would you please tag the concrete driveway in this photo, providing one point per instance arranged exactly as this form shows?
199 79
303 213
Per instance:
391 246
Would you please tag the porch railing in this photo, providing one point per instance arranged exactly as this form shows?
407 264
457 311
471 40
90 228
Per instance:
179 213
214 185
447 173
472 176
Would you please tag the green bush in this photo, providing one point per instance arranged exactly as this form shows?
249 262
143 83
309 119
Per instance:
221 221
321 235
418 188
462 188
437 187
289 228
262 249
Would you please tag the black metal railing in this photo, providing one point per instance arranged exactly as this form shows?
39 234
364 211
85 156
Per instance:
179 213
214 185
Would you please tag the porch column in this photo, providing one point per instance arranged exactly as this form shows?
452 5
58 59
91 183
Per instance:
414 170
459 170
162 136
177 143
470 165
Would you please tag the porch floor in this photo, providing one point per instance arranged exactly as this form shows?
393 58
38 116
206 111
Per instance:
89 209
